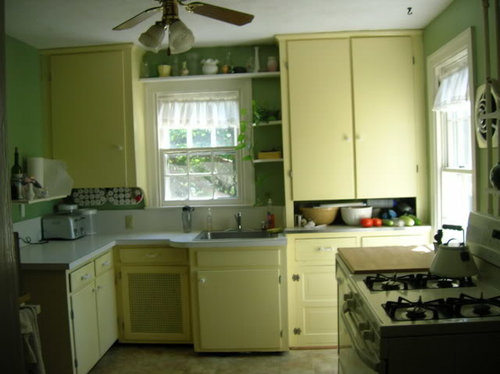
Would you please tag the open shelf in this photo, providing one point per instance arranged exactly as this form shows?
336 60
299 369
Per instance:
267 160
274 74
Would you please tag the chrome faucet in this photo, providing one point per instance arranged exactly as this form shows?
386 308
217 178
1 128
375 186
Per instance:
237 217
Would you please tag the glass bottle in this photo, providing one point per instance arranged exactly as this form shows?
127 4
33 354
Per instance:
209 220
16 178
187 218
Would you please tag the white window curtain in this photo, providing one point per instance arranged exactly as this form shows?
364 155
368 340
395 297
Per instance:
453 91
195 111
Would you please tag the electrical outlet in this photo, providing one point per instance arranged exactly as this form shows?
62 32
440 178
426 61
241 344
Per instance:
129 222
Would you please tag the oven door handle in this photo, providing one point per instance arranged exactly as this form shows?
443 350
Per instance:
358 342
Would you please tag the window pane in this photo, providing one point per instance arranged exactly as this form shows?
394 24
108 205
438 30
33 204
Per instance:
178 138
200 163
201 138
457 150
225 186
456 198
176 188
175 164
201 187
225 137
225 163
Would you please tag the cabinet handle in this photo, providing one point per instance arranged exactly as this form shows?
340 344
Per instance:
106 263
119 147
325 249
85 276
346 137
151 255
202 280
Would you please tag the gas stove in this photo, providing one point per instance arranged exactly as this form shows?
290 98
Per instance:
402 322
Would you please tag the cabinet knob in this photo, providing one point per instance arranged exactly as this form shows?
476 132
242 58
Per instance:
346 138
151 255
106 263
119 147
202 280
358 137
325 249
85 276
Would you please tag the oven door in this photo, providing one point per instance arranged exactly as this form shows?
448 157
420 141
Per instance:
355 356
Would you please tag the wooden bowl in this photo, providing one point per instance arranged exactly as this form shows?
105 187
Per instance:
320 215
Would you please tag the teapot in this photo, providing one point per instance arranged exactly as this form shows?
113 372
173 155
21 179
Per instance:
210 66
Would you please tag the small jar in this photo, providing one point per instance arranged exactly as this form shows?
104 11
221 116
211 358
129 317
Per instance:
272 64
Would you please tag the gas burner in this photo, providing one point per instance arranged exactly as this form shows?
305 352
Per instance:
381 282
406 310
422 281
469 306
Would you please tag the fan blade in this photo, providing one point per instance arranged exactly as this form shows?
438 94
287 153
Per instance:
219 13
135 20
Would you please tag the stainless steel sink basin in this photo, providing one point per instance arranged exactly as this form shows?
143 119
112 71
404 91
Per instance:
213 235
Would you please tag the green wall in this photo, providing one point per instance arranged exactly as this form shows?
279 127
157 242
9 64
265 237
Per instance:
460 15
24 113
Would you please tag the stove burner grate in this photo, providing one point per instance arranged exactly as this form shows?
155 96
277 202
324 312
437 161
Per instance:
381 282
404 309
470 306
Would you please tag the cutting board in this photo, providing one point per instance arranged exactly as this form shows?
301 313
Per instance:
387 259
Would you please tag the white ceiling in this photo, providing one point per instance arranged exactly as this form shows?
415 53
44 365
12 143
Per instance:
65 23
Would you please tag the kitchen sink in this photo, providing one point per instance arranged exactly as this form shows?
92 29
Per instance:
243 234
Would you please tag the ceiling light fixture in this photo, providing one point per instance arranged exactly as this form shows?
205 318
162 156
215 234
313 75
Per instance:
180 38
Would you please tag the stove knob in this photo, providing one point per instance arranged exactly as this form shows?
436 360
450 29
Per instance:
368 335
348 296
363 326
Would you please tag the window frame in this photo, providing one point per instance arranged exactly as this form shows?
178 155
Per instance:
245 172
449 53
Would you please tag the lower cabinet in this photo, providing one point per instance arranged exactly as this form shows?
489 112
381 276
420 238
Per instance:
154 295
78 321
239 299
313 288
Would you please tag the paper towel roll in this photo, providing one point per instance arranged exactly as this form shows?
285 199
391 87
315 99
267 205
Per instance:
35 169
51 174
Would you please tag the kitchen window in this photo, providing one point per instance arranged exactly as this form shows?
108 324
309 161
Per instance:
452 136
194 131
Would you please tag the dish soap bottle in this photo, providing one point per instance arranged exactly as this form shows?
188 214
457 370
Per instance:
270 217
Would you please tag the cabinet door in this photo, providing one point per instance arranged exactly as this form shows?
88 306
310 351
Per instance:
239 309
316 306
384 115
320 119
106 306
155 304
88 117
86 335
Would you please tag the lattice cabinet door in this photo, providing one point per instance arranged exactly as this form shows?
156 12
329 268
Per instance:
155 303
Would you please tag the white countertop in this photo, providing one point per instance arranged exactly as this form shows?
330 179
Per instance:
69 254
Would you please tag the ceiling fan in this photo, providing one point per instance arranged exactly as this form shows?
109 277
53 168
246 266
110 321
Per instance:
180 38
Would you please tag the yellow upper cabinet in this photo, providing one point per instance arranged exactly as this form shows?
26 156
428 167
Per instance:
91 114
320 97
384 117
349 117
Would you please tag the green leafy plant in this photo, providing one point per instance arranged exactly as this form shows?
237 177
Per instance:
242 141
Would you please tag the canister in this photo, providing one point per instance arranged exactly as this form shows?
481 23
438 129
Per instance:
90 220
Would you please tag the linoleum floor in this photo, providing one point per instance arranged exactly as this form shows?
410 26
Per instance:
181 359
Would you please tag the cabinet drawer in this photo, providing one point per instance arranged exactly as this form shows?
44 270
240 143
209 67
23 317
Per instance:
238 257
81 277
378 241
103 263
320 250
152 255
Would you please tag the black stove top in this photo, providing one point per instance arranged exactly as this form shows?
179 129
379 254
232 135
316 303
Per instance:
464 306
381 282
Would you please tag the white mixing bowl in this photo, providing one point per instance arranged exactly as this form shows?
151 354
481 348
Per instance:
352 214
